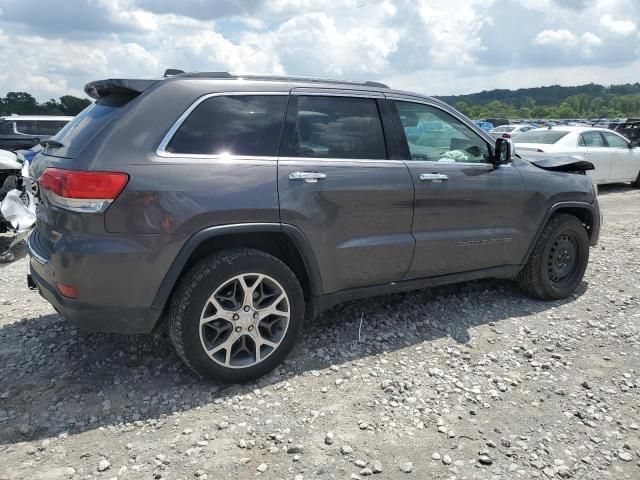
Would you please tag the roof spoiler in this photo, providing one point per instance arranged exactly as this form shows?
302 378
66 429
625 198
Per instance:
102 88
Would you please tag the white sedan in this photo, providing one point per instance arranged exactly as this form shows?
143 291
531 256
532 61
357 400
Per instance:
615 158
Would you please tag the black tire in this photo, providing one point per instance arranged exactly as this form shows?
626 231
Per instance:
636 184
191 298
542 276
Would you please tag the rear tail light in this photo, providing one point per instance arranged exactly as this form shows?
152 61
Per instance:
82 191
506 135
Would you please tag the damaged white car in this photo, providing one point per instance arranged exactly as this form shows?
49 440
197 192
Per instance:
17 205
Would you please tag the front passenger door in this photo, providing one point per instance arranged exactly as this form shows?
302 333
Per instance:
468 213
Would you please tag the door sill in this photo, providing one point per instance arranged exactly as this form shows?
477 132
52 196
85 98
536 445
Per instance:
329 300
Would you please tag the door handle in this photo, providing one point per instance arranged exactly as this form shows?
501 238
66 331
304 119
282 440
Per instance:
433 177
308 177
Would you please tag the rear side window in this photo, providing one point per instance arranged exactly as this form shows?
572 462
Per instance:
338 127
248 125
591 139
540 136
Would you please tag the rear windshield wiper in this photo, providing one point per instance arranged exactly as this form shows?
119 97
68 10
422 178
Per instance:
51 143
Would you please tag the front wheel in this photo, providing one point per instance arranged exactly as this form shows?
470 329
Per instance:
636 184
236 315
558 261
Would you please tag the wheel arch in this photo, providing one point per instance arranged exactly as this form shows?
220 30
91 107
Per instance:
585 212
283 241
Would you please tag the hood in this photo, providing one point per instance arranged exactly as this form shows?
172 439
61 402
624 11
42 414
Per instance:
560 163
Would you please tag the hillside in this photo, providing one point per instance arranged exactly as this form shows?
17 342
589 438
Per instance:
584 101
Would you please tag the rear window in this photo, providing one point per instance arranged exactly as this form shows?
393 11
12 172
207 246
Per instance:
232 124
80 131
541 136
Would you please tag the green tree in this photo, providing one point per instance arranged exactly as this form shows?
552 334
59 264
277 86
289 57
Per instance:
21 103
73 105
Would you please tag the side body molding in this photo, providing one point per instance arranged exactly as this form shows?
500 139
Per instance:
296 236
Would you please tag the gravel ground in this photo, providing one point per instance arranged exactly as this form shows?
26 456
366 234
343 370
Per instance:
474 381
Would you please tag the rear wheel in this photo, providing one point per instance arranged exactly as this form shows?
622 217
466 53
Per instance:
558 261
236 315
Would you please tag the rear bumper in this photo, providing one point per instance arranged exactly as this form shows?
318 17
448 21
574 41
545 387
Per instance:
92 318
116 280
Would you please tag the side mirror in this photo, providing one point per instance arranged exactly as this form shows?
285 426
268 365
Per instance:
503 151
633 144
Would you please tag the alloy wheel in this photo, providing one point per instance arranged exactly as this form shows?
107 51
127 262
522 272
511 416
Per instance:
244 321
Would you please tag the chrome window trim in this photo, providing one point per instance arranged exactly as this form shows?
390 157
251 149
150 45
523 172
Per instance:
474 128
161 150
288 160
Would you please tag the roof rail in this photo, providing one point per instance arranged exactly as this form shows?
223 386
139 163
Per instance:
281 78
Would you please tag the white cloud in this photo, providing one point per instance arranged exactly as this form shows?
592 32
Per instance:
556 37
433 46
617 27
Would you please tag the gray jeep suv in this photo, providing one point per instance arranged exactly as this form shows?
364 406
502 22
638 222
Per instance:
236 207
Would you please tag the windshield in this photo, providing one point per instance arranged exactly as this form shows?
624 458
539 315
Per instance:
541 136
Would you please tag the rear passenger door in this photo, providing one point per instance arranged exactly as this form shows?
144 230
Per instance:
592 148
340 182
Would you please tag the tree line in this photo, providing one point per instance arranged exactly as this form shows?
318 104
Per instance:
585 101
23 103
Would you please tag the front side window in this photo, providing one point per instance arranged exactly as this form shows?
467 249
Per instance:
232 125
591 139
338 127
437 136
614 141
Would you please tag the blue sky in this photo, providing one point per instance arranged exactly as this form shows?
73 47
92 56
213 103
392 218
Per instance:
438 47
